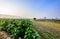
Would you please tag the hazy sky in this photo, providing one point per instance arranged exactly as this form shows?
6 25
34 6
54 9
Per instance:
31 8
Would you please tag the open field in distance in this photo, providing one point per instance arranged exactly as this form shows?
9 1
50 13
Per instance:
48 29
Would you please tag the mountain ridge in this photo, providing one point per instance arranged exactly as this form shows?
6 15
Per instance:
9 16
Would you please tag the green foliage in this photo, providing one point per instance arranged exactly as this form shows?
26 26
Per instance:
19 28
31 34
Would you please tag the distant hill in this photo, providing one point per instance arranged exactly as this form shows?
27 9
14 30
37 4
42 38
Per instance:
9 16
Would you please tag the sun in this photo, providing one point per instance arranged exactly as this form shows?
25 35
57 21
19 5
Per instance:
8 8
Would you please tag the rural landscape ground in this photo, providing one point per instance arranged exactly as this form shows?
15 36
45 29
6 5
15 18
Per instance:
47 29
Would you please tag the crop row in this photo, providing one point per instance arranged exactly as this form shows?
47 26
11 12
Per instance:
19 28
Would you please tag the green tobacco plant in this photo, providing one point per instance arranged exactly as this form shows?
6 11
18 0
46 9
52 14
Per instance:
19 28
31 34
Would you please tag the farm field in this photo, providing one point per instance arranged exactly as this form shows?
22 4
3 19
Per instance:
47 29
17 28
30 29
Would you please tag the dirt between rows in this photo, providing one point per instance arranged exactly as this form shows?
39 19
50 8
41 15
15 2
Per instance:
4 35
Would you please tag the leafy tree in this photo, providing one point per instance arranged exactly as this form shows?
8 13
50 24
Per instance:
34 18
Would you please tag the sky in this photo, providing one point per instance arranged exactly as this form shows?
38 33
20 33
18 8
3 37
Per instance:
31 8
